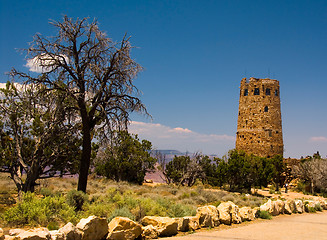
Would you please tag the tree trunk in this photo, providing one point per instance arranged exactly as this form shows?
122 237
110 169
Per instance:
85 159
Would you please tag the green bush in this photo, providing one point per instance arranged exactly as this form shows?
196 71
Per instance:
318 207
264 215
121 212
34 211
76 199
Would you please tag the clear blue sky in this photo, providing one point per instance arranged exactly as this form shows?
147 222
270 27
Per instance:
195 54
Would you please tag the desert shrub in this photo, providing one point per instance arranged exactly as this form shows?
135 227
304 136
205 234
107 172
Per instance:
264 215
181 210
121 212
53 226
312 209
76 199
34 211
46 192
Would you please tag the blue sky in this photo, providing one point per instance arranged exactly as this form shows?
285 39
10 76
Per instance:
195 54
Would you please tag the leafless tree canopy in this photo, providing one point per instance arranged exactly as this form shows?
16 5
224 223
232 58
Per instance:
96 73
313 171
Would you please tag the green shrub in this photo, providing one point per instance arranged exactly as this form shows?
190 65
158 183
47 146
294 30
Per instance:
264 215
34 211
311 209
180 210
121 212
46 192
318 207
53 226
76 199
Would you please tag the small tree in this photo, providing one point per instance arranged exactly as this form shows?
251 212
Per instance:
95 73
37 140
126 159
184 170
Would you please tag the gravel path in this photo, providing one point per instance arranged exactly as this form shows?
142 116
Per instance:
283 227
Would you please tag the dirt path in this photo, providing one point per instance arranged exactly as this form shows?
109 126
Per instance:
283 227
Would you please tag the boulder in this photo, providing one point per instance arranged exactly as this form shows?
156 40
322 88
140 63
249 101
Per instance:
56 235
256 211
236 218
268 206
165 226
224 210
70 232
122 228
93 228
7 237
194 223
299 206
229 213
149 232
208 216
289 206
2 236
279 207
34 234
15 231
182 224
323 204
189 223
246 214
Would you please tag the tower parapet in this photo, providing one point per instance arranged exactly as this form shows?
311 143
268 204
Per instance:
259 125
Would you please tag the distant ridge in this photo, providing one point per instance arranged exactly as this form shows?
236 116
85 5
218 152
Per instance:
168 152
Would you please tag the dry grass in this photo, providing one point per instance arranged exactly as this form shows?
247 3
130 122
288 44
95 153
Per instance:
109 199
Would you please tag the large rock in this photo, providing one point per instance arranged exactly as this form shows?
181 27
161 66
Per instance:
149 232
122 228
15 231
268 206
189 223
208 216
289 206
247 214
299 206
229 213
194 223
323 204
56 235
71 232
236 218
165 226
224 210
279 207
93 228
34 234
2 236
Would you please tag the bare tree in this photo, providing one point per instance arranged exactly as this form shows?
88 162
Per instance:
313 171
94 72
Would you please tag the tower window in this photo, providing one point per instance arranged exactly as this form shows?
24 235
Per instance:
276 92
246 92
267 91
266 108
256 91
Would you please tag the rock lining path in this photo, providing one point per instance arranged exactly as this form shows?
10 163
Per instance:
308 226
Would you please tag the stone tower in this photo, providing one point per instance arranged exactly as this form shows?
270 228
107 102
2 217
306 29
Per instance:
259 125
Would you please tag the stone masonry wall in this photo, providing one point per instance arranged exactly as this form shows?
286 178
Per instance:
259 126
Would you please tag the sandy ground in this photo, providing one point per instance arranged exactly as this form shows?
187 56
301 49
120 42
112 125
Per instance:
283 227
